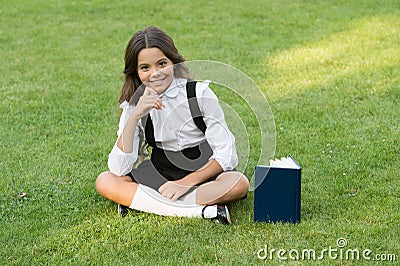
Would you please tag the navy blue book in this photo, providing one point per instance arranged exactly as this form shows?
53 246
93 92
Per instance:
277 191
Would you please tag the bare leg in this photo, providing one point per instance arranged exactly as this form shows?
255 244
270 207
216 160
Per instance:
120 189
229 186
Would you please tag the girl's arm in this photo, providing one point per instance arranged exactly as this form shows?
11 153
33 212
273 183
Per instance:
125 151
147 101
218 135
122 158
126 139
210 169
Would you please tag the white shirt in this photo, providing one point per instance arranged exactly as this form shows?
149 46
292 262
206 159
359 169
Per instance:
175 130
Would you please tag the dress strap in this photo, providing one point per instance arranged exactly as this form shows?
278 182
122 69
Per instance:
149 130
194 106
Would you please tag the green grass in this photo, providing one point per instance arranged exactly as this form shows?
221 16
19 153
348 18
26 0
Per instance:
329 69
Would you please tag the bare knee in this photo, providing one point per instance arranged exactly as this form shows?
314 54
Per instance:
108 183
102 182
119 189
241 187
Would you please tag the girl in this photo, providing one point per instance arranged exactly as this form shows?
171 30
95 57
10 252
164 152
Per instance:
191 172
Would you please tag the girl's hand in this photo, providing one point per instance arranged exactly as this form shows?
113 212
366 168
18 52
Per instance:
172 190
147 101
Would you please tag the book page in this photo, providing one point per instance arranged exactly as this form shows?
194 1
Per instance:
284 162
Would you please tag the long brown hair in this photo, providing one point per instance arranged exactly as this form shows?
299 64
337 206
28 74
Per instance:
150 37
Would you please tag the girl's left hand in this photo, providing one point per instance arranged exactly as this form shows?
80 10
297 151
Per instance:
172 190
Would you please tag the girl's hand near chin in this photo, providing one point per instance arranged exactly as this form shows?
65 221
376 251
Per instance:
148 101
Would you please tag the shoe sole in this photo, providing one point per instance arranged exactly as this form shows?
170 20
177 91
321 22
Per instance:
123 211
228 217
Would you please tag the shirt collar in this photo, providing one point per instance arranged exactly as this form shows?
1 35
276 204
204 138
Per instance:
176 85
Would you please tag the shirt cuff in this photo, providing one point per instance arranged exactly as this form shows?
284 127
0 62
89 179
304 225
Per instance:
121 163
227 162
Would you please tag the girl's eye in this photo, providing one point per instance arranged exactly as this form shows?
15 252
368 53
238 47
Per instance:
163 63
144 68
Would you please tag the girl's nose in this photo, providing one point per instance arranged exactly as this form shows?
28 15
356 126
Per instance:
154 72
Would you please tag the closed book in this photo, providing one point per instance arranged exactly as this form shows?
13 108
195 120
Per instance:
277 191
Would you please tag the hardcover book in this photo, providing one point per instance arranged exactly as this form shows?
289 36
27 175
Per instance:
277 191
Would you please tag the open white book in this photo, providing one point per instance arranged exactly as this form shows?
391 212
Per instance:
284 162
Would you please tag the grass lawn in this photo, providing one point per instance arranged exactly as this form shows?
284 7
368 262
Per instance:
329 69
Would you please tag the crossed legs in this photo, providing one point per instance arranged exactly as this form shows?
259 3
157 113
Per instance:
228 186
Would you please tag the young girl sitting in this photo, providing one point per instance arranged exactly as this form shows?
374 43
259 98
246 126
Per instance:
191 171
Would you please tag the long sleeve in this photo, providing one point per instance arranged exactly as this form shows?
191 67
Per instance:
217 134
119 162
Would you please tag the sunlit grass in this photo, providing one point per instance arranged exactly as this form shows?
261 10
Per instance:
369 45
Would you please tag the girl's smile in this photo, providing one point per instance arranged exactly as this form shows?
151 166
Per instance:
155 69
156 82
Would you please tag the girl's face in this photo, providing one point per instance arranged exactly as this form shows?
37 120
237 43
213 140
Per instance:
155 69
